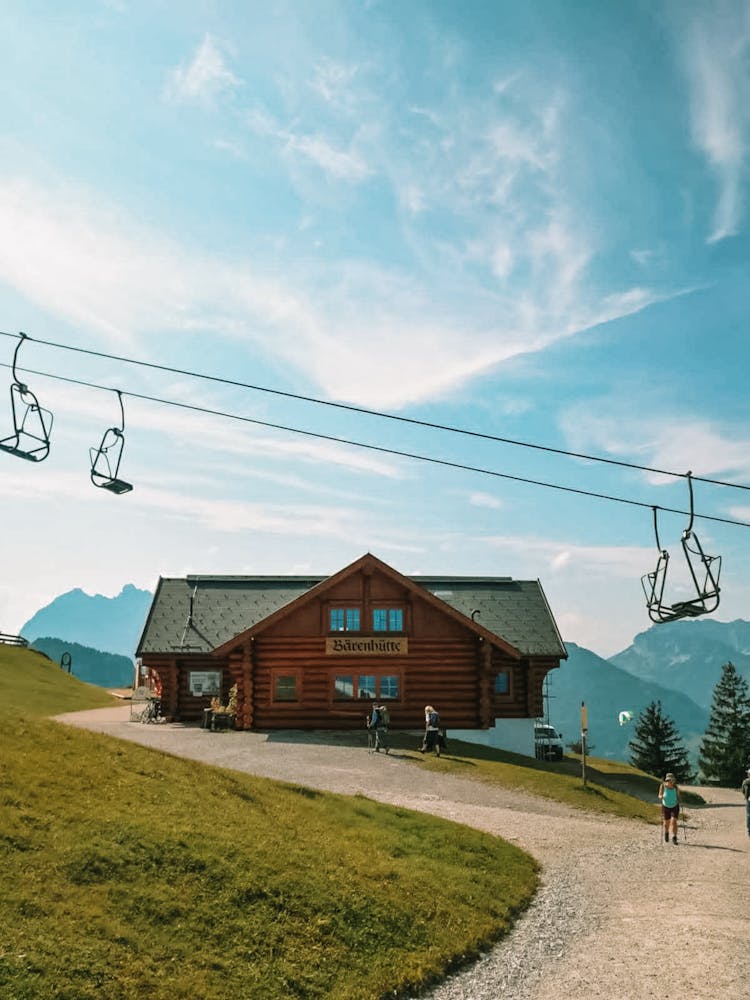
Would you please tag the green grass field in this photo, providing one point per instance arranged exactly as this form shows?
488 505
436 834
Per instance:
611 786
128 873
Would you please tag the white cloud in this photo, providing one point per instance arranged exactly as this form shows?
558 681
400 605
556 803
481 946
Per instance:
716 58
341 323
339 164
345 165
92 412
204 78
333 82
480 499
673 442
600 561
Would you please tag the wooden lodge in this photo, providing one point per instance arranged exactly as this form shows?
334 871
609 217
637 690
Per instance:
314 652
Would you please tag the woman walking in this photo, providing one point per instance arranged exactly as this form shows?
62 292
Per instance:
669 796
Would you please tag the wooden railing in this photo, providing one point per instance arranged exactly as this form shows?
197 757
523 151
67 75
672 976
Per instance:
13 640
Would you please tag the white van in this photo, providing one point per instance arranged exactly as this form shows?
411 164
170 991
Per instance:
548 743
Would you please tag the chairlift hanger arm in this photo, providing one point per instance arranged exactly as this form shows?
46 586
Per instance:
105 460
706 599
32 424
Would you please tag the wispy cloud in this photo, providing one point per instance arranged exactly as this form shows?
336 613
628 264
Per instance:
204 78
89 413
602 561
480 499
339 164
716 50
676 442
87 262
333 81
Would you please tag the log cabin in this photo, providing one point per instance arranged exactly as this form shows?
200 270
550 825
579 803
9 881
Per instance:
311 652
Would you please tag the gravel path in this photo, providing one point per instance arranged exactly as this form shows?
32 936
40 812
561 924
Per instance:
619 914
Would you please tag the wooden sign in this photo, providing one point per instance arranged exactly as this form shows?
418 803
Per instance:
367 645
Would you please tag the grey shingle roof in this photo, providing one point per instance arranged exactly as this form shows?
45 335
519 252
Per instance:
225 606
516 610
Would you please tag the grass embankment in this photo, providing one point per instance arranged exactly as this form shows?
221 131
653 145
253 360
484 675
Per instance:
128 873
611 786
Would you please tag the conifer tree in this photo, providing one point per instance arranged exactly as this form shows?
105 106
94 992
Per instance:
656 747
725 749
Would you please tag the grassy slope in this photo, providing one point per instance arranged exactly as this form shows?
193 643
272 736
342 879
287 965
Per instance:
127 873
611 786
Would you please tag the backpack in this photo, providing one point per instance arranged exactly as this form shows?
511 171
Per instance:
373 720
384 718
433 720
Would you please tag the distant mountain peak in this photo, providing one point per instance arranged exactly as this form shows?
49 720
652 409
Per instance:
111 624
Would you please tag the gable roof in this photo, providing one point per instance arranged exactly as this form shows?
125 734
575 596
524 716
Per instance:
200 614
367 564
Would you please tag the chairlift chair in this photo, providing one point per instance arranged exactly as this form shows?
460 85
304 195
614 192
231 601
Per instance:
32 424
704 573
105 460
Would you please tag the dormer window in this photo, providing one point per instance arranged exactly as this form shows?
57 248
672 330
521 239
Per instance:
344 620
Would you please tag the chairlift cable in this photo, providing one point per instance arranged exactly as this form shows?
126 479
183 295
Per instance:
382 414
382 449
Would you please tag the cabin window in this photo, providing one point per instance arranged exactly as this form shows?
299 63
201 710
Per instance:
343 686
502 682
205 683
344 620
366 687
285 687
389 686
388 619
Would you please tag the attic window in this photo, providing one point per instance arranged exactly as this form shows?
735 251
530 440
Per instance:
344 620
388 619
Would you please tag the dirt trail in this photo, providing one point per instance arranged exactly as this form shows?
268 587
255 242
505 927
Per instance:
620 914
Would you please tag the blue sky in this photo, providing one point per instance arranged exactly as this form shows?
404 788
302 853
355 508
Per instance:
527 220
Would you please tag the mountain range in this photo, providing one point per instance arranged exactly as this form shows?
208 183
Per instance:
91 665
677 663
113 624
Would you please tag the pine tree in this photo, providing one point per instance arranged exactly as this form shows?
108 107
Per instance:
725 749
656 747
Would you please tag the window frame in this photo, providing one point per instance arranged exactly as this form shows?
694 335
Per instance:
508 674
388 610
275 676
348 613
355 673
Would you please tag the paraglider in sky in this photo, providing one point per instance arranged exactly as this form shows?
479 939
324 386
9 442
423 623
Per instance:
624 717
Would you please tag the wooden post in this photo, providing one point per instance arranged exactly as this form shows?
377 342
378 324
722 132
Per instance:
584 734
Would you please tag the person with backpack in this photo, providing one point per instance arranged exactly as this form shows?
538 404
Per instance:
378 722
746 793
669 796
431 740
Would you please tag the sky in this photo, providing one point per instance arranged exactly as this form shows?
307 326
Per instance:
526 221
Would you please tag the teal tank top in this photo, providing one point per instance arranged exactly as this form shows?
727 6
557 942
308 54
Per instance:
669 796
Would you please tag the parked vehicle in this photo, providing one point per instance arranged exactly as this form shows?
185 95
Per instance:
548 743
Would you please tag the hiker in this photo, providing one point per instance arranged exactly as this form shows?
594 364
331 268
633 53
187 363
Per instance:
431 731
378 722
669 796
746 793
